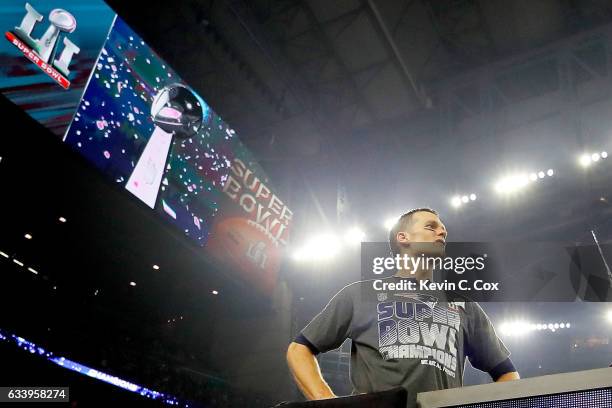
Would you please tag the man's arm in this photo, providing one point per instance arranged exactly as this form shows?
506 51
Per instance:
485 349
306 372
512 375
326 331
505 371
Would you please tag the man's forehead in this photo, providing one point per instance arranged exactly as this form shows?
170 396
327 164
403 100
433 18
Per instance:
424 216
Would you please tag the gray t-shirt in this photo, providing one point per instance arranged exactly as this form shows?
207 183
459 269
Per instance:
415 340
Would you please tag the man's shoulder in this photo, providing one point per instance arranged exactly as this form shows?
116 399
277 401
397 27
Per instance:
367 283
356 286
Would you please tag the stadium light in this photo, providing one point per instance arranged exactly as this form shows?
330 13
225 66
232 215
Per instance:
354 236
512 183
320 248
458 200
515 328
609 316
520 327
515 182
587 159
298 255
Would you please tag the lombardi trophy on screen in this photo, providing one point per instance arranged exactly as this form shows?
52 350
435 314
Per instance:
177 112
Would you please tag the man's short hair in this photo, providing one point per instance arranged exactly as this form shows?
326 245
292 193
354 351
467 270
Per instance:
401 222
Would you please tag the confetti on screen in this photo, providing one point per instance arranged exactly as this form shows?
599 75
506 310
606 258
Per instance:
113 124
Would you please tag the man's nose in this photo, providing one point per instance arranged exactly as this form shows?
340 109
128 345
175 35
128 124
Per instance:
442 232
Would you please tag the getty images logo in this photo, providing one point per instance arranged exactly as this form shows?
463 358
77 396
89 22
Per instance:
41 50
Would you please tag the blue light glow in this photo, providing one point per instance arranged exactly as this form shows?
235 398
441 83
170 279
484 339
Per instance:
99 375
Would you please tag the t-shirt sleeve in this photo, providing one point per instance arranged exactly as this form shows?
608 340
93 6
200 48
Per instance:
484 349
328 330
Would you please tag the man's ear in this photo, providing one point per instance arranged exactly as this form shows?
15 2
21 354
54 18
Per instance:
403 236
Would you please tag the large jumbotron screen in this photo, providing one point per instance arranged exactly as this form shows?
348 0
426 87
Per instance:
81 71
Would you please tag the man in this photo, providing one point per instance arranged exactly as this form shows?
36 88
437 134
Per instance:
408 339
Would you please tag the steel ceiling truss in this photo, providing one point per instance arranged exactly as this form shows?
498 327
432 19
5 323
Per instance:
380 25
558 68
462 30
311 54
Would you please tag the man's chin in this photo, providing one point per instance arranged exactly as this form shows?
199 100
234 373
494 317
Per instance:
430 249
438 253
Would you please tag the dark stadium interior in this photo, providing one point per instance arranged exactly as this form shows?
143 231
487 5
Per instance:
357 110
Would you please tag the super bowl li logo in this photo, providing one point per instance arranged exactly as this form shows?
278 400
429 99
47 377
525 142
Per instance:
41 51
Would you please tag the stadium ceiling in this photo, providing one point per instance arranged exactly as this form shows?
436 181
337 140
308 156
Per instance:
296 72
